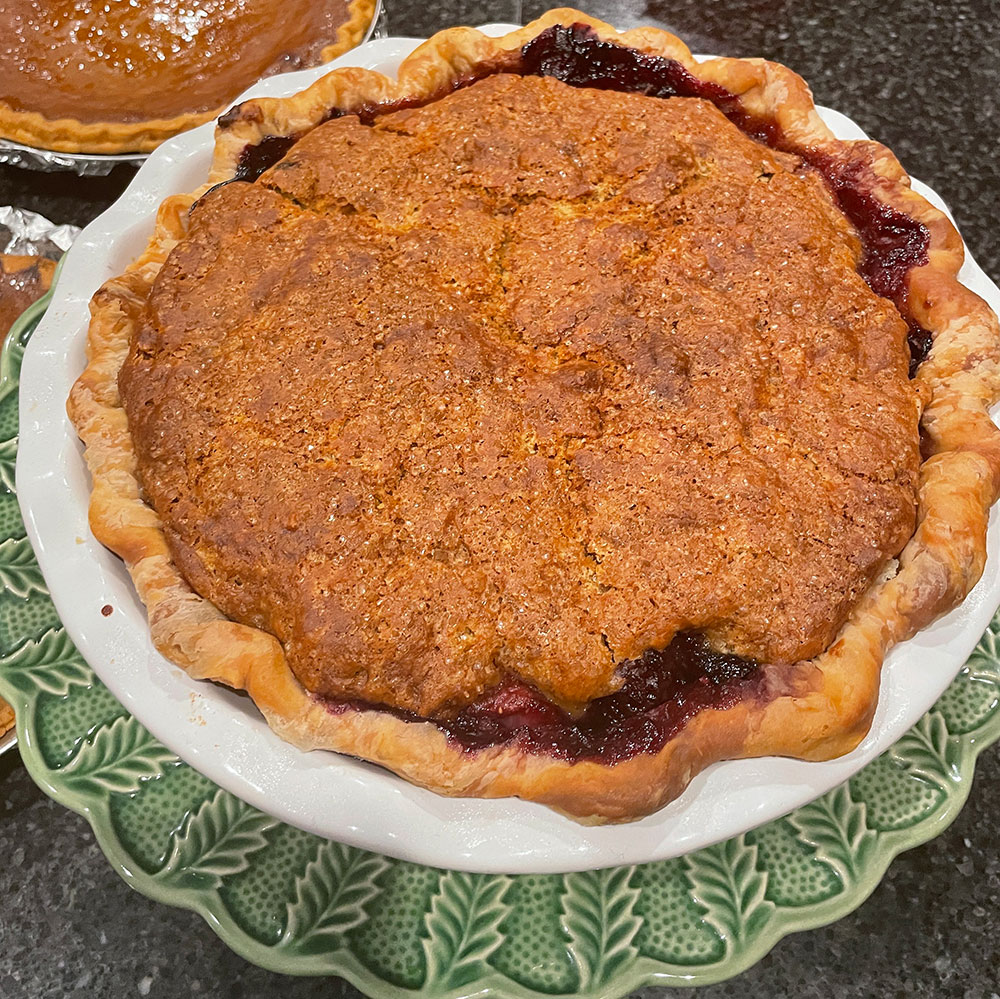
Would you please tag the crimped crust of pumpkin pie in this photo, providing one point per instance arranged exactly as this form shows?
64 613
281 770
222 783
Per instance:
376 646
140 54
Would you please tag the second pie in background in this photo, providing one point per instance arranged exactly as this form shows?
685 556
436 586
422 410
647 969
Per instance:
123 77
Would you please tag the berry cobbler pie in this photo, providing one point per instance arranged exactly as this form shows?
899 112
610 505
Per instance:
553 422
123 75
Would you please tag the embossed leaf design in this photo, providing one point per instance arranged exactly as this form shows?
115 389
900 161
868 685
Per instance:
835 826
214 842
8 460
51 665
330 896
121 755
725 881
984 663
928 752
599 916
463 928
19 571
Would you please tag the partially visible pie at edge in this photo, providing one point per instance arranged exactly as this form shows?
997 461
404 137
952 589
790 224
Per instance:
488 477
6 717
23 280
123 77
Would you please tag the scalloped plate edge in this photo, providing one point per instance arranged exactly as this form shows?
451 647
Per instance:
646 971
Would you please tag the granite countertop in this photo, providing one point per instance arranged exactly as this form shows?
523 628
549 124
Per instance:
924 78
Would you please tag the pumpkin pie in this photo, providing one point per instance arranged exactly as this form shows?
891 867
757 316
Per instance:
23 280
123 76
6 717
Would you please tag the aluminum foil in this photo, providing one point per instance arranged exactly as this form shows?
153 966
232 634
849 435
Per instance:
379 27
83 164
34 235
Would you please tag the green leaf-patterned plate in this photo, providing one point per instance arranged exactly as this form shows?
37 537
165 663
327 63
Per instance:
295 903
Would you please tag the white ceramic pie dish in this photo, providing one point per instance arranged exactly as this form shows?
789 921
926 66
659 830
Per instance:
221 734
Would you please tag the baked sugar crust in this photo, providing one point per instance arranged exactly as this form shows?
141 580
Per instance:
820 709
70 135
566 459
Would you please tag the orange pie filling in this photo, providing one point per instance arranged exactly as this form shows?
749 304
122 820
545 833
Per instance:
23 280
561 411
76 67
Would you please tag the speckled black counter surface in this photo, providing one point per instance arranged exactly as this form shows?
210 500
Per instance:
922 77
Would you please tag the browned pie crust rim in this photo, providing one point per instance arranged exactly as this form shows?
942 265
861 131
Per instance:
69 135
823 717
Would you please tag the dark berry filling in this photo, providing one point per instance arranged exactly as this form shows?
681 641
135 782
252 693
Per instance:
661 691
920 342
575 55
892 242
255 159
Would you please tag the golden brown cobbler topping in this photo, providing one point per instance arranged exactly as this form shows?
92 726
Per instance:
522 383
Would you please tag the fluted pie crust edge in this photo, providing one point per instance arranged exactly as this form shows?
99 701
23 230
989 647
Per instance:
819 710
69 135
